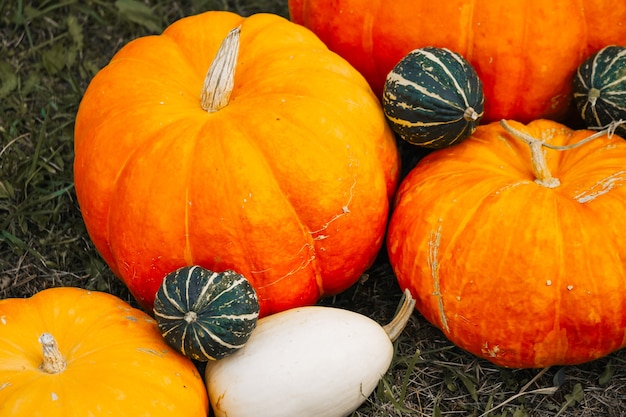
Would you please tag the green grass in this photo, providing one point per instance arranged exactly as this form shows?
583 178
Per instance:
49 51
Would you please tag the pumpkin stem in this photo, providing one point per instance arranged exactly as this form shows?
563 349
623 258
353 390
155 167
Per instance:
470 114
53 362
396 326
191 317
220 79
593 95
539 165
543 176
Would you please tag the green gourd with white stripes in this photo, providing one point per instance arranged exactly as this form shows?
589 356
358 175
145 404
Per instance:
206 315
433 98
600 88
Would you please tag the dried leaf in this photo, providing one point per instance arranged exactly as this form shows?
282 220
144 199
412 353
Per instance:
469 385
571 399
54 58
33 81
6 190
576 396
8 79
76 32
607 374
59 57
70 56
559 377
520 412
137 12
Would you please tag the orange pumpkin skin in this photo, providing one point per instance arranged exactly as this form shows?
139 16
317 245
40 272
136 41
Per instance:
524 51
512 271
289 184
116 361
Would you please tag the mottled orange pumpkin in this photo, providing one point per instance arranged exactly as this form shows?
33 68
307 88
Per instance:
524 51
286 180
522 264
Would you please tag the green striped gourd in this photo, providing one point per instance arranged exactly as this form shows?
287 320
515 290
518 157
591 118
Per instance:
600 88
206 315
433 98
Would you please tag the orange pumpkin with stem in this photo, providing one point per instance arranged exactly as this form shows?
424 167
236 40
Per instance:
524 51
277 162
520 263
72 352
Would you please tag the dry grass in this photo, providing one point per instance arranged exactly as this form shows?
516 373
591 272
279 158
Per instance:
49 51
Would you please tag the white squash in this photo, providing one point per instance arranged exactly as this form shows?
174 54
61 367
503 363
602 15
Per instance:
305 362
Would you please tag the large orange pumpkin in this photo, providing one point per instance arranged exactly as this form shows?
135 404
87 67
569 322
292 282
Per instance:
72 352
522 264
524 51
287 181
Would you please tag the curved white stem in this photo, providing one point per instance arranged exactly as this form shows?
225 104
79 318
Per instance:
396 326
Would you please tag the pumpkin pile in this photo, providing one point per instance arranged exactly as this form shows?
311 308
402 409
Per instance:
233 170
507 250
509 236
524 51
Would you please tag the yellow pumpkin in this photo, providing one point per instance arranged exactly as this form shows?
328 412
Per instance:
72 352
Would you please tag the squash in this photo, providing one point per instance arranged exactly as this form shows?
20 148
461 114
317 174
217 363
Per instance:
71 352
524 51
600 88
518 262
237 144
433 98
206 315
310 361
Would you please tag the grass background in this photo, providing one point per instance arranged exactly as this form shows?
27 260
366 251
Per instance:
49 51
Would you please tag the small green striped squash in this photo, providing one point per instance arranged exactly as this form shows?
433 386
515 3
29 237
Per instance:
600 88
433 98
206 315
